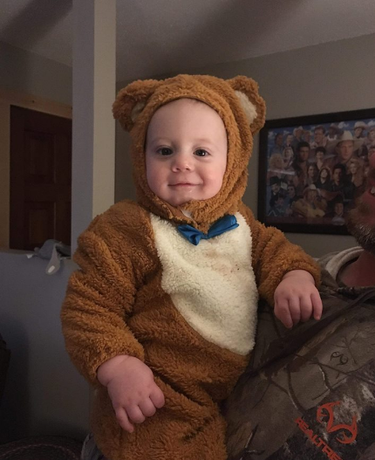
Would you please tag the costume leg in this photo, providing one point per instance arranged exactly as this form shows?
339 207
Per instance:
90 450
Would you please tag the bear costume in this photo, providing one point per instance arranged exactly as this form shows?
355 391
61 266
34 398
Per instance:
186 310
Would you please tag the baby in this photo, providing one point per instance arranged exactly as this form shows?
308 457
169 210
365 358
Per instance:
161 316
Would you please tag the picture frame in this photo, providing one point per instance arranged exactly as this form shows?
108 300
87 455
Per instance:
312 169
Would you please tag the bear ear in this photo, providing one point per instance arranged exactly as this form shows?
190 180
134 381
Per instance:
253 105
131 100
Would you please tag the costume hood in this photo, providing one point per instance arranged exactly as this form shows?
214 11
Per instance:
240 107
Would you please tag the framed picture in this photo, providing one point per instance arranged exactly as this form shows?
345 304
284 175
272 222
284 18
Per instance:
312 169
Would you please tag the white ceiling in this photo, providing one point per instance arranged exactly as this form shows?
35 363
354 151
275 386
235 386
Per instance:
164 36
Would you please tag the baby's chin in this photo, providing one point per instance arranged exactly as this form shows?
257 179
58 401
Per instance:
184 204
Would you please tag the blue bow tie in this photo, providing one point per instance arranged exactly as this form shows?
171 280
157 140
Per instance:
222 225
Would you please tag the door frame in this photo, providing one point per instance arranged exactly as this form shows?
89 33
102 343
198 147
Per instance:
26 101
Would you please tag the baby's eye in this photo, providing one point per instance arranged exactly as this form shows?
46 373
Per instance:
165 151
201 153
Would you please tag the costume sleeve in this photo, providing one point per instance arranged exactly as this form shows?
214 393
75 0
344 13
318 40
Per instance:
99 300
273 256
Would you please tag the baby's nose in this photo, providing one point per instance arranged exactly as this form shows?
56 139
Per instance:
182 162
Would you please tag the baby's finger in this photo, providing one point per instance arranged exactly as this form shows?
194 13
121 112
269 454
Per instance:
295 310
123 421
317 305
283 314
306 308
147 407
157 397
135 414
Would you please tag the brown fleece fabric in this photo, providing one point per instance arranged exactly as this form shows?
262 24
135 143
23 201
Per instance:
115 303
219 95
273 256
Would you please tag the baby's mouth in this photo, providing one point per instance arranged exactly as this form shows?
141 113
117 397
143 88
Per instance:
182 184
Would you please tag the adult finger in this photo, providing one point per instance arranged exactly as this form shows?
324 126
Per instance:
317 305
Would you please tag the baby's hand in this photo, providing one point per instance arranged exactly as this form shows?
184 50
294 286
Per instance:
132 389
297 298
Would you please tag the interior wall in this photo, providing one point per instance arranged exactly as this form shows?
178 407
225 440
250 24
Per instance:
30 81
44 394
52 397
332 77
124 186
33 74
327 78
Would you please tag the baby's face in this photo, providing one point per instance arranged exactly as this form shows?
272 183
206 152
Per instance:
186 152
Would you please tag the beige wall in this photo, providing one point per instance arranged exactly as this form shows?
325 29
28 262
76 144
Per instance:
44 393
27 72
30 81
326 78
124 187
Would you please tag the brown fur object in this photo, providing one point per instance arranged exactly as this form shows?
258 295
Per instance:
234 100
117 302
116 305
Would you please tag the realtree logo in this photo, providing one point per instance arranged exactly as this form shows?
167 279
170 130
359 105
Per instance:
327 409
325 414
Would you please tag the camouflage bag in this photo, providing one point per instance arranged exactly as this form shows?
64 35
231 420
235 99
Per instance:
309 392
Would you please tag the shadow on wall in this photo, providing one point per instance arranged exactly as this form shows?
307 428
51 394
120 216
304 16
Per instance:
44 394
50 12
14 422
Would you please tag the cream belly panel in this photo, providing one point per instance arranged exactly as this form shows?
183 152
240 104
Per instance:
212 284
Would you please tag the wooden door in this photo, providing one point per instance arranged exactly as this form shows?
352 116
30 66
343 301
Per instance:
40 178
